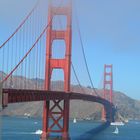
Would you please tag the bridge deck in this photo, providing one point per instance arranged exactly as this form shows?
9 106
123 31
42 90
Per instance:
22 95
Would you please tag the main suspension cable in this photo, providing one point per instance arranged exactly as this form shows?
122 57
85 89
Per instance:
83 51
21 24
76 76
25 56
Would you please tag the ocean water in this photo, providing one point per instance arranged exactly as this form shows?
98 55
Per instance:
14 128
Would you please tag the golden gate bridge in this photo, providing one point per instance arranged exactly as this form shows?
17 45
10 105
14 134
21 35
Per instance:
29 53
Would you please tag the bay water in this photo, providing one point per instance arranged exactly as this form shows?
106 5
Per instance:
19 128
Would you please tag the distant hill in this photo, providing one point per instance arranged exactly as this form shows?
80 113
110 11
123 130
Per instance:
127 107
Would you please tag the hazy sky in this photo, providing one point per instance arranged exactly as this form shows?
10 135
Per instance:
111 35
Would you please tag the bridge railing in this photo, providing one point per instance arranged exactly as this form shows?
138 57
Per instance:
1 97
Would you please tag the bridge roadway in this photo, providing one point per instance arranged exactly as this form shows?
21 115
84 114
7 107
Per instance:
23 95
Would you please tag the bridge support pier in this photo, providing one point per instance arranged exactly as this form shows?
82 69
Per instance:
56 115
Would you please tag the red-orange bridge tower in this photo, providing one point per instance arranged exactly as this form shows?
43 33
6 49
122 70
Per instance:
59 117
